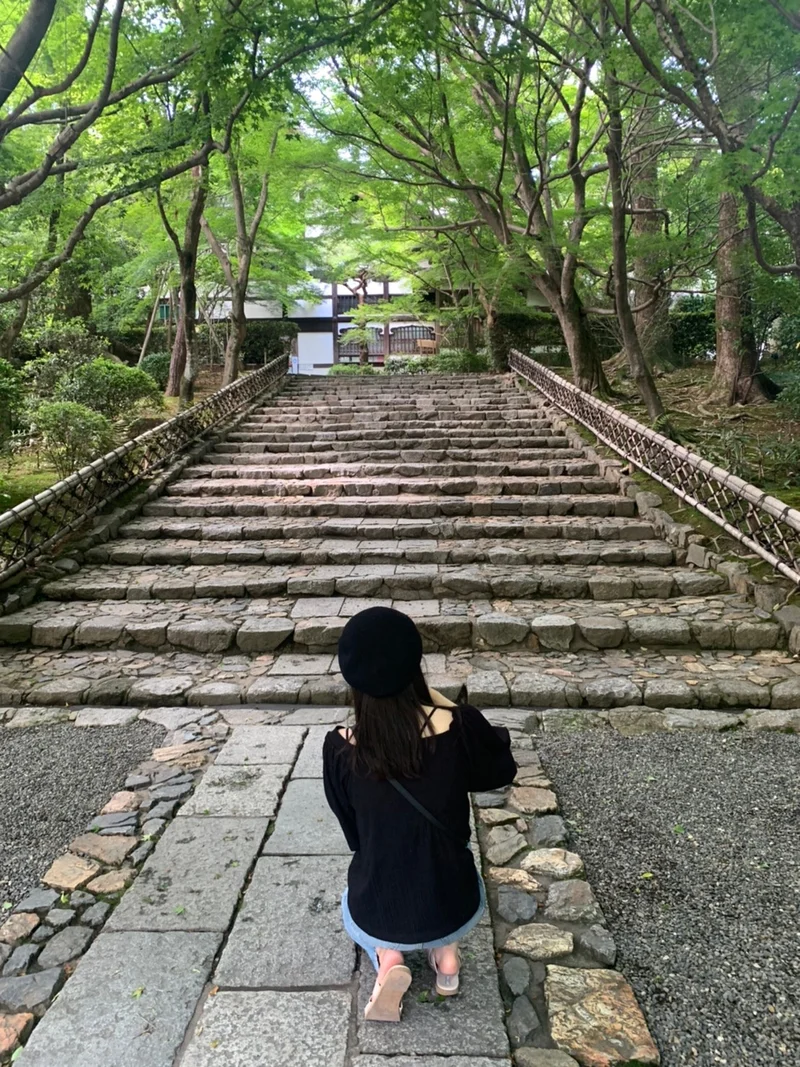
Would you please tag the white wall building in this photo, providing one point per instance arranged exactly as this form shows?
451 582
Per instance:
323 322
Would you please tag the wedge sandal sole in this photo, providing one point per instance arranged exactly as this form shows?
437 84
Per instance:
386 1003
446 984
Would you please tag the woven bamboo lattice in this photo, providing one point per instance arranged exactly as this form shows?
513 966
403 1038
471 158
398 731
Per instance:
763 523
44 520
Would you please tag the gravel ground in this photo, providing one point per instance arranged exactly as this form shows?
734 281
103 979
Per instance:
53 779
692 845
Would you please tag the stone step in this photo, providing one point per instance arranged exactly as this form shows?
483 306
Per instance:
216 466
364 441
257 482
395 417
50 684
314 623
381 402
410 400
418 391
327 452
412 581
346 531
317 384
410 506
162 550
411 436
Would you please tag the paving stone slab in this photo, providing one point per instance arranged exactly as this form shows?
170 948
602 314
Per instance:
289 931
429 1061
302 664
316 717
470 1024
106 716
193 879
309 763
306 826
244 792
38 716
256 745
98 1021
171 718
271 1029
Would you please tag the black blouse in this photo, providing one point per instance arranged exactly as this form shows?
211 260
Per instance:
409 882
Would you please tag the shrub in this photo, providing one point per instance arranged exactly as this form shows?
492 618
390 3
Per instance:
71 434
694 327
459 361
11 400
407 364
111 388
267 339
344 369
59 349
789 396
71 339
43 375
787 337
157 366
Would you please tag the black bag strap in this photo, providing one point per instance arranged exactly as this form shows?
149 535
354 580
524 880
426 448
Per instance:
424 812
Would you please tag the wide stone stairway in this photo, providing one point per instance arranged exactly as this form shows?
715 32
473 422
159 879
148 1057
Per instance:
216 613
532 579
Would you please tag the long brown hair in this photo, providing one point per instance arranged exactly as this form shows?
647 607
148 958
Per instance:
388 731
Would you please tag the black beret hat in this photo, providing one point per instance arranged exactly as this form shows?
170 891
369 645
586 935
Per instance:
380 652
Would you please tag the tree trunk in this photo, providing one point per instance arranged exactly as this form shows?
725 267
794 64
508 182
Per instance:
652 322
584 355
14 328
16 56
236 337
151 321
189 367
639 370
189 308
498 350
78 299
472 343
178 361
171 317
363 347
736 376
183 366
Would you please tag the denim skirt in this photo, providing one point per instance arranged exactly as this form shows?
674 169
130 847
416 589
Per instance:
369 944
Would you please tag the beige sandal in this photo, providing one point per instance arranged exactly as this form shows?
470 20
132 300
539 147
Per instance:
446 984
386 1003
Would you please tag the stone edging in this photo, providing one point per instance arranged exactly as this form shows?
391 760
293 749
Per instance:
548 716
22 590
555 953
44 936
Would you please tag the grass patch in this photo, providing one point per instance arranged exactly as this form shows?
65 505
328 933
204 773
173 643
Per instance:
23 478
758 442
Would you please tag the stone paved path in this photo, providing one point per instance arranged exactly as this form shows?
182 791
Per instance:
535 583
267 977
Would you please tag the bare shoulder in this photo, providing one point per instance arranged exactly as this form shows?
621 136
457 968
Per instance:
347 734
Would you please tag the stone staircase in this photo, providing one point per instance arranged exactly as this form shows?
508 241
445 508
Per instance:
532 578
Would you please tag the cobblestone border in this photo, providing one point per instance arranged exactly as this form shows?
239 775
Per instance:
555 954
44 936
628 720
693 548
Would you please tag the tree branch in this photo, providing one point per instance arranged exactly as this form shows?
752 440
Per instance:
17 55
43 271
